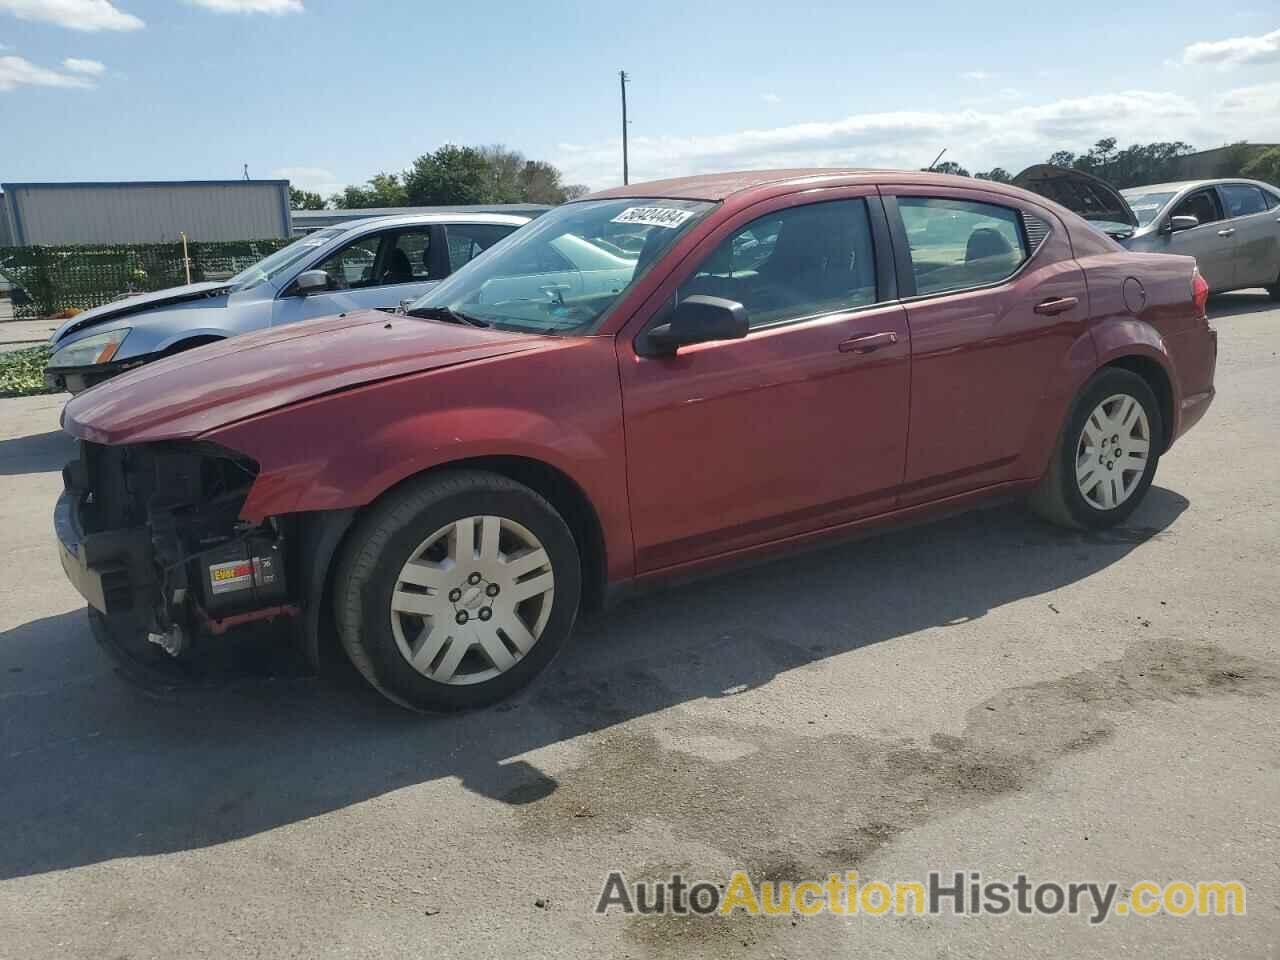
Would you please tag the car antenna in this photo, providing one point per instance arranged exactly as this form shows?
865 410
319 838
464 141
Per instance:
935 160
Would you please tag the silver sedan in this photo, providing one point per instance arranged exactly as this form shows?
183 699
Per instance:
1231 226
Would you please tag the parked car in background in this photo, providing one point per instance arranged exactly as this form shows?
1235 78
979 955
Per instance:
793 355
1231 227
372 263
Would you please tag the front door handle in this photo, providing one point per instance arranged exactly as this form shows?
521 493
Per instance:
869 342
1226 233
1055 306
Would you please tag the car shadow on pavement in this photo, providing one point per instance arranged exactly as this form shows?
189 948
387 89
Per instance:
92 769
1239 304
37 453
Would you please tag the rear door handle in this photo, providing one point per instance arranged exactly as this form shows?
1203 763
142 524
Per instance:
1056 305
1226 233
868 342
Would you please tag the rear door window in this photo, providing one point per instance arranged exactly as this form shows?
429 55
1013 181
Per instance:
800 262
1242 199
408 258
959 244
468 240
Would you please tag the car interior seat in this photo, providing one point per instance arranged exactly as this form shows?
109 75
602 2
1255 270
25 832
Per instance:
397 269
986 242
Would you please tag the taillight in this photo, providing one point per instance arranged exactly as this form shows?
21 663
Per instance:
1199 291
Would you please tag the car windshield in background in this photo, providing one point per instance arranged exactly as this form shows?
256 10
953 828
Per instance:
564 270
1146 206
272 266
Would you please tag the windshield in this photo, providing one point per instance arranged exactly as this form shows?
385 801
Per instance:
564 270
1146 206
269 267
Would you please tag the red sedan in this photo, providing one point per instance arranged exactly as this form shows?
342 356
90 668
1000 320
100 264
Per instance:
749 362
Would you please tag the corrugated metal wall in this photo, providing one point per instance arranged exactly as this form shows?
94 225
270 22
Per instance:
75 213
6 232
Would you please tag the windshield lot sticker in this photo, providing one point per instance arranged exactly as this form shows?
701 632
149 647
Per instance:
668 217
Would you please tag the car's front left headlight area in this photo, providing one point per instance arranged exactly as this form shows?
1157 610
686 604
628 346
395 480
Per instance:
100 348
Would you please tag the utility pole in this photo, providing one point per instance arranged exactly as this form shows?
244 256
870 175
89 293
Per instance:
622 78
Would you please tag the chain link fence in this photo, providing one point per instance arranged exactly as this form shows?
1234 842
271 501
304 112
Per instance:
48 280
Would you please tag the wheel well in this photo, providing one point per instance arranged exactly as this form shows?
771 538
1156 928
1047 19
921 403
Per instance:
569 501
1150 371
190 344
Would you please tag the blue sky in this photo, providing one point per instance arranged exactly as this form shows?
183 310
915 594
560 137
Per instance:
329 92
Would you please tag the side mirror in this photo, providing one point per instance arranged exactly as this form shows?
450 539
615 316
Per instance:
1178 224
310 281
697 319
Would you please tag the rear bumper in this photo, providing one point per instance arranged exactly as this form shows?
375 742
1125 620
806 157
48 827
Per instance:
1193 408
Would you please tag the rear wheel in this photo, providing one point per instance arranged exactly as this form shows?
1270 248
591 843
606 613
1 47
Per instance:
1106 456
457 590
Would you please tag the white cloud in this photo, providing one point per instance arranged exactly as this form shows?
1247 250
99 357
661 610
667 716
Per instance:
85 15
317 179
274 7
90 68
1260 101
978 75
16 72
1236 51
997 134
770 98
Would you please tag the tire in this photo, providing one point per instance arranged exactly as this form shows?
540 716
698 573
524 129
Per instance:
446 610
1274 290
1104 493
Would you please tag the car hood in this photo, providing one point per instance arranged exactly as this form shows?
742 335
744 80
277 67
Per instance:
138 304
1084 194
191 393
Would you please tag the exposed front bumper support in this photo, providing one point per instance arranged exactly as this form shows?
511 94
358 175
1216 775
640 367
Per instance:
109 569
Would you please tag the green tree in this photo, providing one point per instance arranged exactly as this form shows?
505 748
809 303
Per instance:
450 175
1135 165
1265 166
997 174
516 179
305 200
947 166
382 190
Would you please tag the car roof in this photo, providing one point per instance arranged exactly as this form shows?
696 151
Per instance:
413 219
721 186
1177 186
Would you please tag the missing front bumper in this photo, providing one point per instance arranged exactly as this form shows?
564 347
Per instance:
110 570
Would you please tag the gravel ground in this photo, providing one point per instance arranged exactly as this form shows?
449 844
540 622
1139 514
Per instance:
985 693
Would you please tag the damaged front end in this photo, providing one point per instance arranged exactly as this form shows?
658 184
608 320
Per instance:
150 535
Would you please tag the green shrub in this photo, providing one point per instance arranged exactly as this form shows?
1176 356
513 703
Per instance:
22 372
80 277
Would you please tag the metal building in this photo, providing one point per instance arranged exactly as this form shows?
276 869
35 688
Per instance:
146 212
6 232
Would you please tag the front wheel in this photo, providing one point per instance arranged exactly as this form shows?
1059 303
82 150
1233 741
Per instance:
456 590
1106 456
